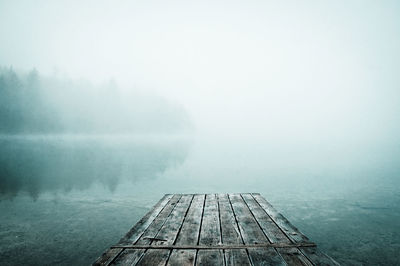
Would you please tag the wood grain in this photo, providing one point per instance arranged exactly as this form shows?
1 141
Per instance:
214 229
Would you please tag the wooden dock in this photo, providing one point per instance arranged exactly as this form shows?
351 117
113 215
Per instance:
214 229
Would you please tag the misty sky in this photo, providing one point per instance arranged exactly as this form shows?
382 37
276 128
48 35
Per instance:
295 69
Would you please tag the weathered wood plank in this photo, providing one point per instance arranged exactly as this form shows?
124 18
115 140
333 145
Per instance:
292 256
271 230
168 232
312 253
210 257
108 256
210 228
189 234
252 234
290 230
265 256
129 257
230 233
210 233
236 257
317 257
250 231
229 227
184 257
136 231
156 225
174 222
154 257
223 229
150 233
220 246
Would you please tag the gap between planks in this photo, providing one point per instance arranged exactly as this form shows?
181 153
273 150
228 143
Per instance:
211 208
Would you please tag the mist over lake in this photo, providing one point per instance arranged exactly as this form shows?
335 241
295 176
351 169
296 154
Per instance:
106 106
57 190
64 163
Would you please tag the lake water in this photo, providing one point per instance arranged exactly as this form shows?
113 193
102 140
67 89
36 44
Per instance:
65 199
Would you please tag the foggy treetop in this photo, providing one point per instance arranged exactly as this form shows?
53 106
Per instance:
33 104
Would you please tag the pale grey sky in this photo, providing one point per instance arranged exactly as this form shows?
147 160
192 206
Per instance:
250 68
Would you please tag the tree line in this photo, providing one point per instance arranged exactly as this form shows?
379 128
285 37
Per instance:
34 104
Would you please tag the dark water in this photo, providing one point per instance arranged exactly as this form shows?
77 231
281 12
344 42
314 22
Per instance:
66 199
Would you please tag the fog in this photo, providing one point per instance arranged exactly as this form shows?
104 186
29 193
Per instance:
117 103
325 71
32 104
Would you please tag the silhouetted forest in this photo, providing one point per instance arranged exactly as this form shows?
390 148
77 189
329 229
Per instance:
33 104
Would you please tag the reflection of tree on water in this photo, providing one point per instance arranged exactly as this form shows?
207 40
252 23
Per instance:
33 104
35 166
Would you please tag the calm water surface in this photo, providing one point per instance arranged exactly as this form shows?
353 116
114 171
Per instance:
64 200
